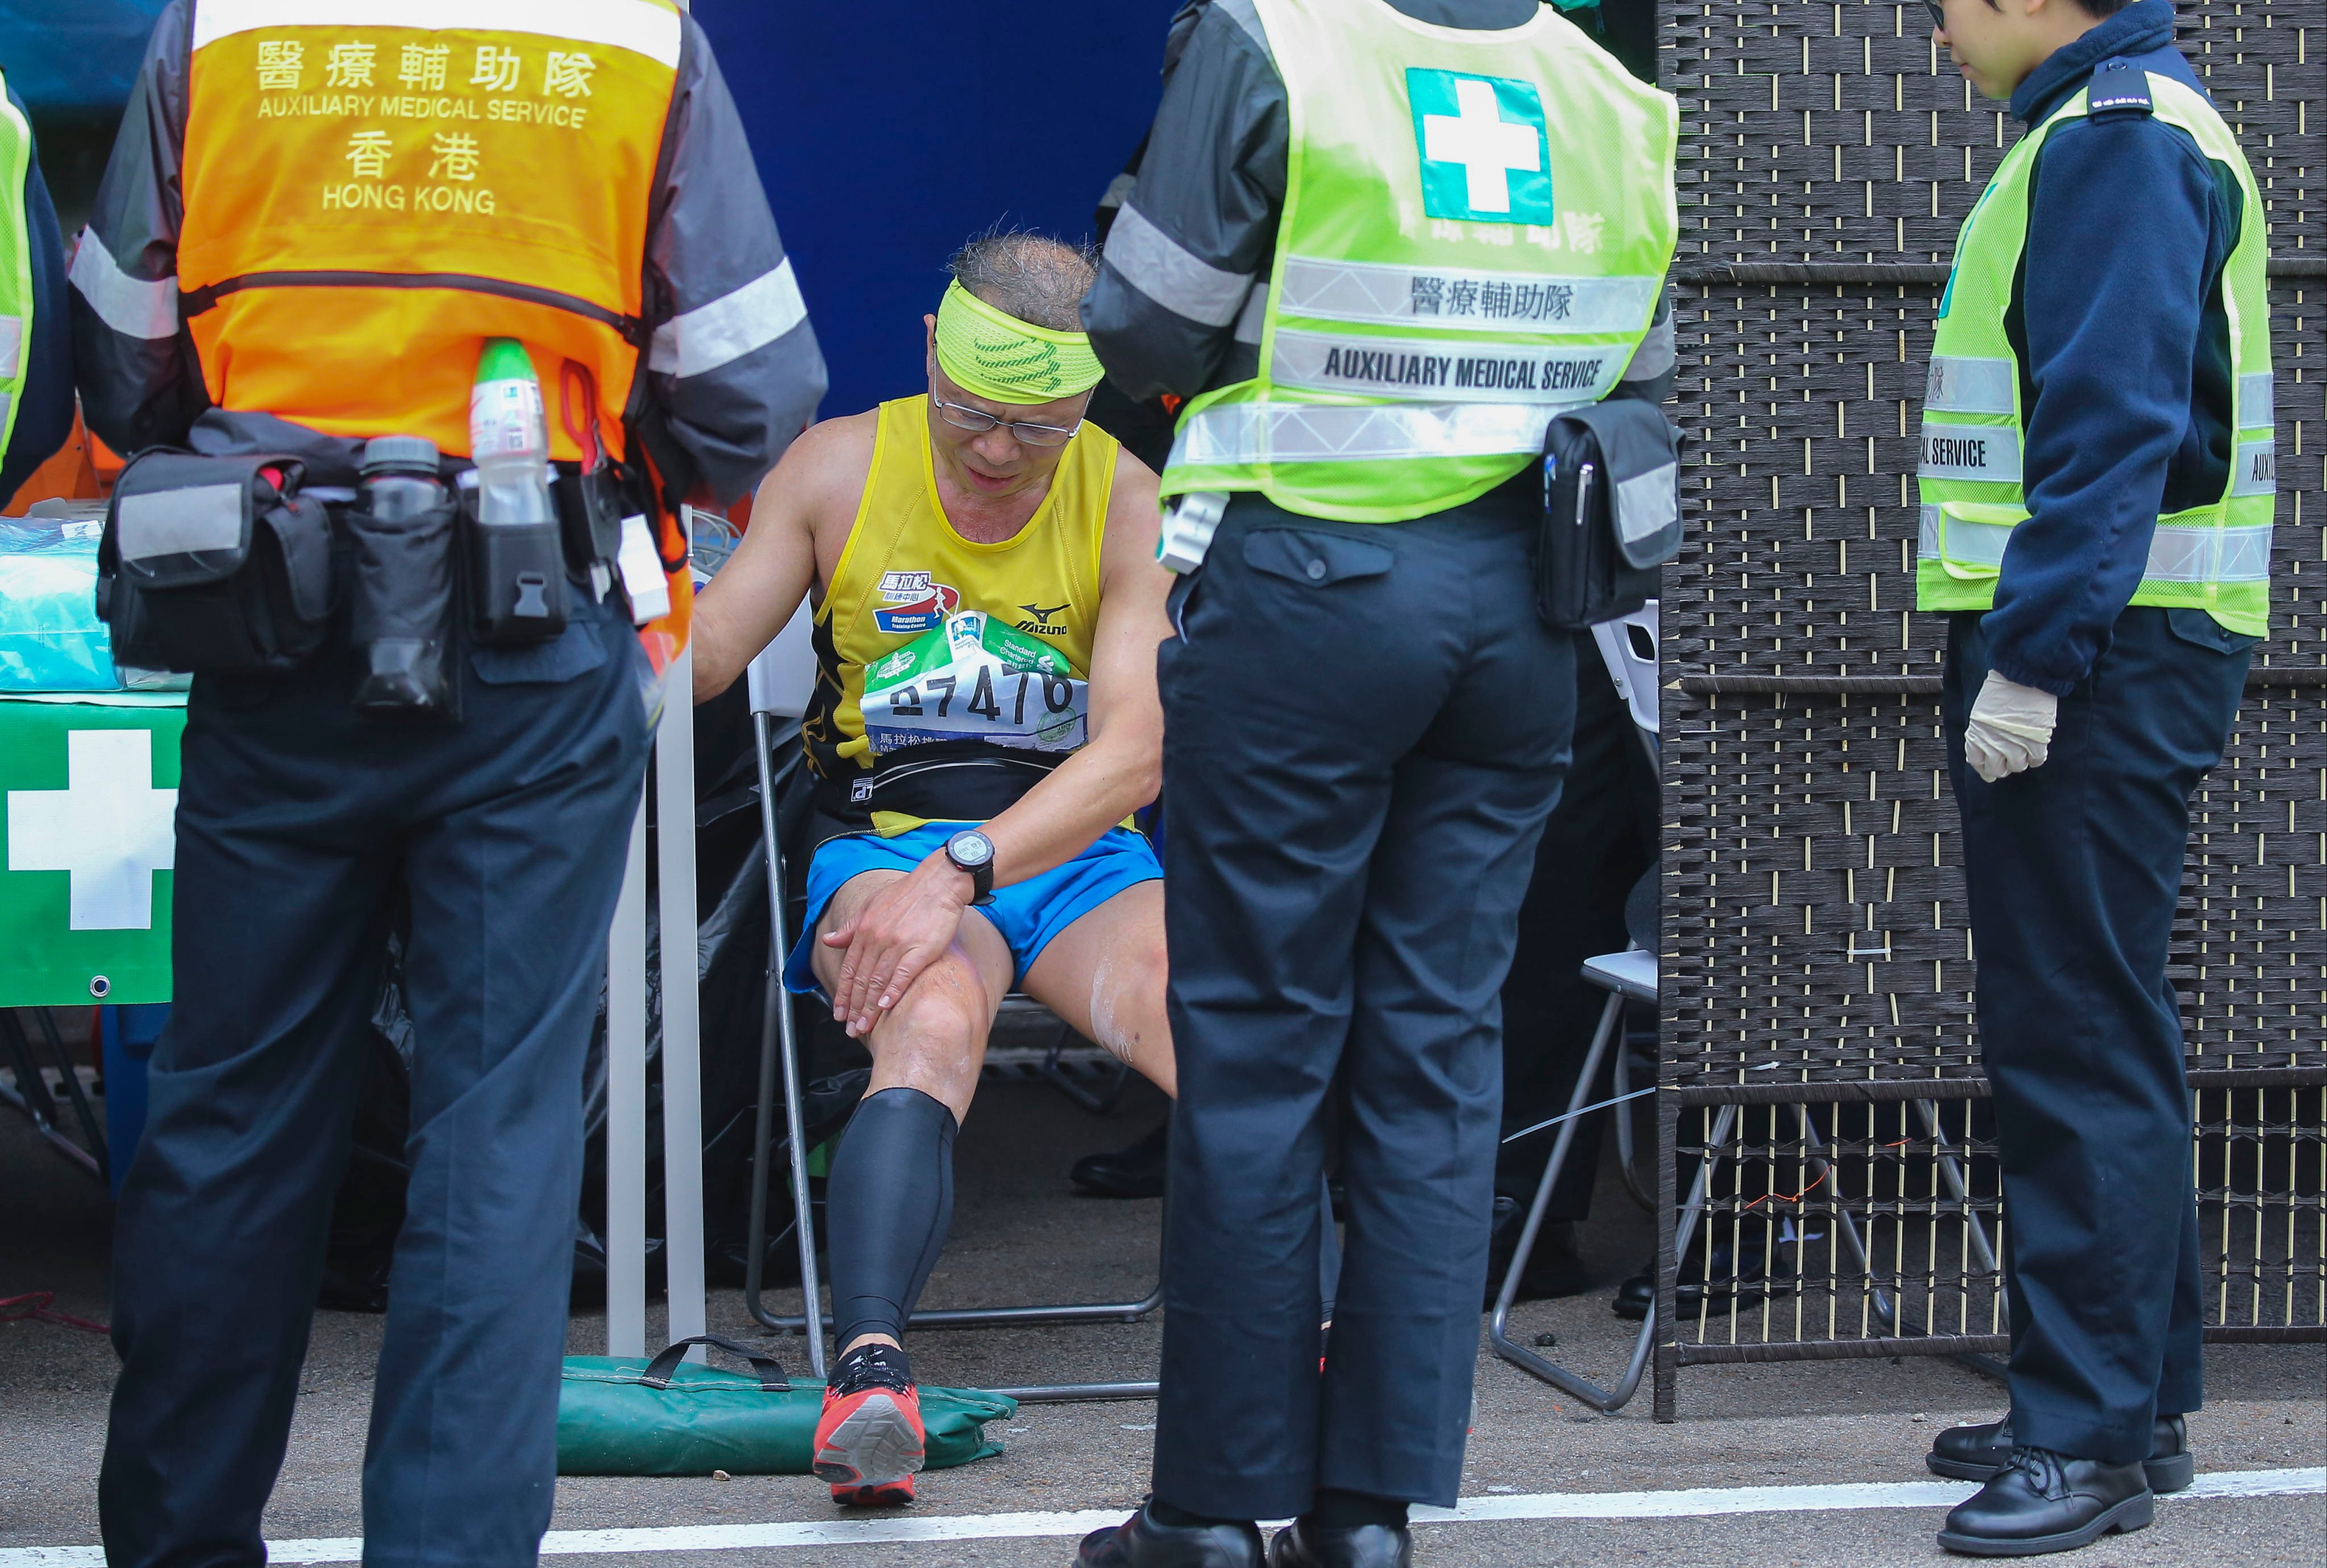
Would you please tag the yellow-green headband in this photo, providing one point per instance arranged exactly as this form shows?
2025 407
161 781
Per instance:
997 357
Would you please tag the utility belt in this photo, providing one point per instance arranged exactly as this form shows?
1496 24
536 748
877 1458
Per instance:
226 565
942 781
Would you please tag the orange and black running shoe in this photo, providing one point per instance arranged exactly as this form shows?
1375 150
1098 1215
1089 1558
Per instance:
869 1440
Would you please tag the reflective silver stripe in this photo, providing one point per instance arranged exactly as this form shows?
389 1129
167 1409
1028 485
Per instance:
205 516
1253 313
1390 295
1647 503
2257 473
12 347
1974 544
2177 553
1247 16
1657 354
1172 275
632 24
1437 371
730 326
1235 433
2208 554
1989 453
1957 385
129 305
2257 401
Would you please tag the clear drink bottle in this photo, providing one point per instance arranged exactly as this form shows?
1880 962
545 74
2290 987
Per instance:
518 565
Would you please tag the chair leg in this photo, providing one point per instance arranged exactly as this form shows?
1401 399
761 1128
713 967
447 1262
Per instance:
1551 1372
1623 1116
1098 1105
777 1038
31 1098
92 1132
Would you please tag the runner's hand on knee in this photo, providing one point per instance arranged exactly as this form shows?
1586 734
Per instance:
900 931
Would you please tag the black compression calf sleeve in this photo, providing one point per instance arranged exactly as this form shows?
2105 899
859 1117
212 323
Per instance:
889 1204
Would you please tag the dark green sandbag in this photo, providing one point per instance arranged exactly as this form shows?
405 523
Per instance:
611 1421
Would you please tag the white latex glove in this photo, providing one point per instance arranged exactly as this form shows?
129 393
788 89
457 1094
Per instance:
2011 728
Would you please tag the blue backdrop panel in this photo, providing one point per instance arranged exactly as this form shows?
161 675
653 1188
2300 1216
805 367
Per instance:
889 132
82 55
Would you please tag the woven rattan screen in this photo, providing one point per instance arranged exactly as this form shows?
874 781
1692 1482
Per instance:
1815 943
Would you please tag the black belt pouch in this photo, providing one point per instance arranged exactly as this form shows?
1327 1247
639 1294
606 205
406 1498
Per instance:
407 594
1611 512
214 565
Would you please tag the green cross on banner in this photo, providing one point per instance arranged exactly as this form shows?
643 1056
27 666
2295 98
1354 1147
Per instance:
89 796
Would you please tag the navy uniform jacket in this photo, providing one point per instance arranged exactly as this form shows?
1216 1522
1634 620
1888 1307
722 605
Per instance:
2120 329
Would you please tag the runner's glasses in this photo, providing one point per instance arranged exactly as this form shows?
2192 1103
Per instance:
1938 16
965 418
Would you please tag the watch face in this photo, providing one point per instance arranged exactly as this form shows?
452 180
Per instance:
970 849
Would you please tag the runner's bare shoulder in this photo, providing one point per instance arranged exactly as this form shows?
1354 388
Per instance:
822 480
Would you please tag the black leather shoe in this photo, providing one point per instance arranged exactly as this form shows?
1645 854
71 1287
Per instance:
1301 1545
1976 1453
1554 1269
1139 1542
2043 1502
1137 1172
1637 1294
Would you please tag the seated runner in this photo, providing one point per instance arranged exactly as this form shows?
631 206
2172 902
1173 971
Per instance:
987 611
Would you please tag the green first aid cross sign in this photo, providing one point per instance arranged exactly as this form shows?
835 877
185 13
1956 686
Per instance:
1485 158
88 800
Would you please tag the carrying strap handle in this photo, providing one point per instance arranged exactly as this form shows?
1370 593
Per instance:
771 1375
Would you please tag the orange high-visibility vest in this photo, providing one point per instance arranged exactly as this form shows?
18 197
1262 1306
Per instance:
374 187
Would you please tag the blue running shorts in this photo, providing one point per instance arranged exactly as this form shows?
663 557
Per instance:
1028 914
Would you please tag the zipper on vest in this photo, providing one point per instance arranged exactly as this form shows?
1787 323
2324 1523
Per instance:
194 301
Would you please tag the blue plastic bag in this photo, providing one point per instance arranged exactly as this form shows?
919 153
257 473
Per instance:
51 639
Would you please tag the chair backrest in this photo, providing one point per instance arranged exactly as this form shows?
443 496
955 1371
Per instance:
1628 647
782 678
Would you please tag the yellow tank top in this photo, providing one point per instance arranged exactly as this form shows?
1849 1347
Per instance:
905 573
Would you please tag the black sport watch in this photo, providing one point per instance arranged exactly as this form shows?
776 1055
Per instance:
971 851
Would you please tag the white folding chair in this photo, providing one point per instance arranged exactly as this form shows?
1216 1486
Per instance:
781 681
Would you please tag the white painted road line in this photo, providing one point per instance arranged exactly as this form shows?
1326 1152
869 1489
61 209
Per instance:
1694 1503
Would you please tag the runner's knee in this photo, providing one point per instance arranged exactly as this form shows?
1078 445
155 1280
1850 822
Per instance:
932 1039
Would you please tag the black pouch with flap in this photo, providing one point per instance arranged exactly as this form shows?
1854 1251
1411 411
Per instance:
1611 512
214 565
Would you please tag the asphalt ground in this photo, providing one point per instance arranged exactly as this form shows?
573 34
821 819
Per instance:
1021 1236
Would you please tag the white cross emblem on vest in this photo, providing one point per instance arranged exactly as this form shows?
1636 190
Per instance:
1489 147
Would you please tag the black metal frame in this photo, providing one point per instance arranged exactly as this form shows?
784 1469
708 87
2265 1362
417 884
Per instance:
31 1097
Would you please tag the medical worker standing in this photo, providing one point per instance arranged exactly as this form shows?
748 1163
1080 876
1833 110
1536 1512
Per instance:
314 220
1378 245
2098 487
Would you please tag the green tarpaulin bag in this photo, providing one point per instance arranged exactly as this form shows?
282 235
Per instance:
621 1417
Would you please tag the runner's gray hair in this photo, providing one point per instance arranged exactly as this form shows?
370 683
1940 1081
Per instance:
1031 277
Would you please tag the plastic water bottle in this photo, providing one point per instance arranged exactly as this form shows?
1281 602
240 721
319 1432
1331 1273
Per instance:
509 437
516 560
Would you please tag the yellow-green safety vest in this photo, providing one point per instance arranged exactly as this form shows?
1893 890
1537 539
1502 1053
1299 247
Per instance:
15 261
1476 231
2215 557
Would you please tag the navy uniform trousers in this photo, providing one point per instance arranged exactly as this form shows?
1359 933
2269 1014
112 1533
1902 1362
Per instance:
1365 727
2074 869
297 824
